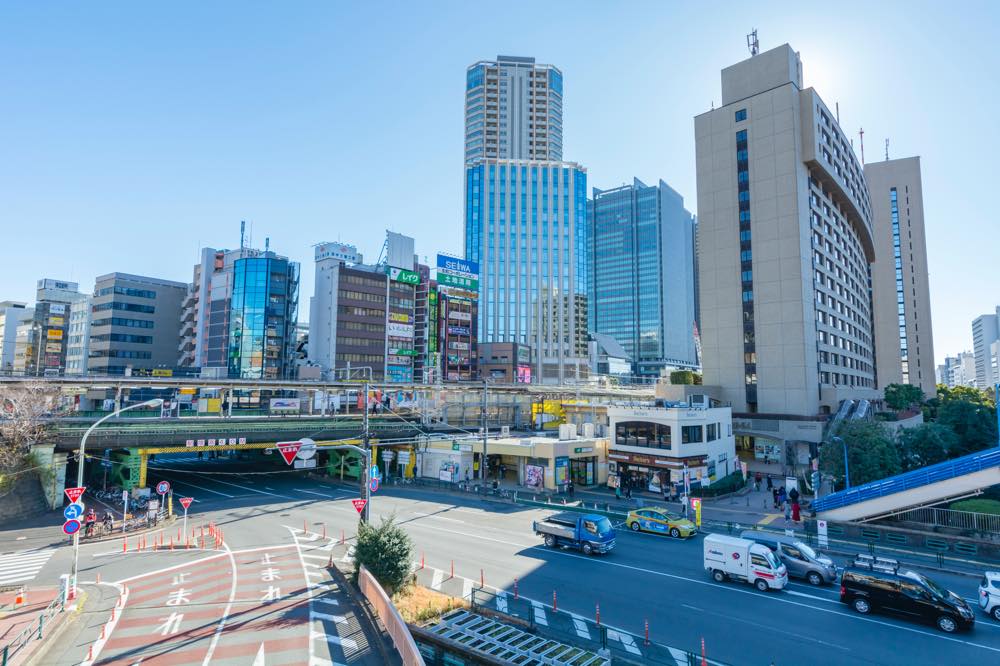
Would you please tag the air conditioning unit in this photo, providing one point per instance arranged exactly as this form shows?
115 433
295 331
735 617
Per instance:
505 431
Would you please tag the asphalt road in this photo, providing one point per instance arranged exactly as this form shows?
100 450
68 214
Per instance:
647 578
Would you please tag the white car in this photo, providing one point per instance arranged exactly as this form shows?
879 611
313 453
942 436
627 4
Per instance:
989 594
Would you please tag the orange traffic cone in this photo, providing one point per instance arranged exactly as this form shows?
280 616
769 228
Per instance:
20 598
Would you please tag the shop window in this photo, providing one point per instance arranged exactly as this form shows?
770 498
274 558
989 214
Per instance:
641 433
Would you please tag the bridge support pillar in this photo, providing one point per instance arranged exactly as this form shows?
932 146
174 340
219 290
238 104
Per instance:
143 459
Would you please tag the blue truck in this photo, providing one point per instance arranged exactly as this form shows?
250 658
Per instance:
587 532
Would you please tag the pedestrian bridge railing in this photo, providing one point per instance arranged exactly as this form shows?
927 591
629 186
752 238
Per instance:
393 622
950 469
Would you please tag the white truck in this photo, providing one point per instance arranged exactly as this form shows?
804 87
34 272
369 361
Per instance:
729 557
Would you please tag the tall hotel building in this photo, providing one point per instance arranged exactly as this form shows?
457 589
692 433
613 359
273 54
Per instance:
904 344
785 253
525 216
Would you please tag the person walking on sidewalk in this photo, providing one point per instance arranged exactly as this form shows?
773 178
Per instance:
788 510
781 495
774 495
756 481
770 483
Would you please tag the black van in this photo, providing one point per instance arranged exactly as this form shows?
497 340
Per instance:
877 584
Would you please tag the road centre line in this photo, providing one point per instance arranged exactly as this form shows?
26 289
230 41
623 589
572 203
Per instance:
729 588
207 490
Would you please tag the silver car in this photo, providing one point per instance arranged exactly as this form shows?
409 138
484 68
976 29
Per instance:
798 557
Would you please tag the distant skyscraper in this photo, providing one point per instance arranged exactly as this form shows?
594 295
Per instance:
985 331
640 274
785 248
513 110
525 225
904 342
12 314
263 317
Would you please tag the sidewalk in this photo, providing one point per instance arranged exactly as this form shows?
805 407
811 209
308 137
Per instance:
15 621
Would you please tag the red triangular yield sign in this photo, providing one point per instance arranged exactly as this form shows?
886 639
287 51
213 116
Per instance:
186 501
74 493
359 504
289 450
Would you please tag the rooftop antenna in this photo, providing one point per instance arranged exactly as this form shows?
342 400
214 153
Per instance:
838 113
861 133
243 229
267 243
887 150
752 44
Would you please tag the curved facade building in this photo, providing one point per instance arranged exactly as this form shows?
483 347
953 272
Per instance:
785 251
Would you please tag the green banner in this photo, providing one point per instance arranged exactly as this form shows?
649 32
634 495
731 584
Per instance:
449 280
404 276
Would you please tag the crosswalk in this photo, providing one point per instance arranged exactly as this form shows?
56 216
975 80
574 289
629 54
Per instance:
23 566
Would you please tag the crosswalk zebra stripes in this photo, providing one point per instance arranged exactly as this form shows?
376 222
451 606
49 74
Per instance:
23 566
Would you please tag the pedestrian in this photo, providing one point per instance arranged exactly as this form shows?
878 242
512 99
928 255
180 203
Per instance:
618 490
793 495
788 509
628 491
782 496
774 494
665 493
756 481
770 483
795 512
570 489
684 505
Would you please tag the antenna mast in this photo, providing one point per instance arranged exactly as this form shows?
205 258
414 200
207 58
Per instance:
752 44
861 133
887 150
243 228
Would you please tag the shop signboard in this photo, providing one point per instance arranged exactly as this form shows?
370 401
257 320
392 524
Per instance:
403 275
449 280
399 373
534 476
58 308
401 317
404 352
54 334
457 265
399 360
284 404
458 330
458 345
460 316
524 374
397 330
56 321
53 347
562 470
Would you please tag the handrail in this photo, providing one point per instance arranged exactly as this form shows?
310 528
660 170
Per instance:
949 469
33 630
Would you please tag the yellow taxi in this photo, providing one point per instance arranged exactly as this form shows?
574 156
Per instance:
660 521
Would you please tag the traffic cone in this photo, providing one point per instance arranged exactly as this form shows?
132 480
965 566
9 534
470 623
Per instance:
19 599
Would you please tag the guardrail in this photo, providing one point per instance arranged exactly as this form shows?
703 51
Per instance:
975 462
391 619
962 520
33 632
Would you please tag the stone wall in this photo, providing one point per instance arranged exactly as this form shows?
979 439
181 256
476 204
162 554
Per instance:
24 500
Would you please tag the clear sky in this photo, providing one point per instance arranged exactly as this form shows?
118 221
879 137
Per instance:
132 133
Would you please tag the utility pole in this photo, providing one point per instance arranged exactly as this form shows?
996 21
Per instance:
366 461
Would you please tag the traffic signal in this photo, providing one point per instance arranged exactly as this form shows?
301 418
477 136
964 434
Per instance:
815 482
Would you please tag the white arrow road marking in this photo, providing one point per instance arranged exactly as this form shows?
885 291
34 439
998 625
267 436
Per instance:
259 659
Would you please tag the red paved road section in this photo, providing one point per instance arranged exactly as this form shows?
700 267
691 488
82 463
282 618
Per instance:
172 618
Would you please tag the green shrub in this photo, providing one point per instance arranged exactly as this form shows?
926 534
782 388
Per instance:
386 551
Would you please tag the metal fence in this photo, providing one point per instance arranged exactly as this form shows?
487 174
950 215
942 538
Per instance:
963 520
391 619
33 632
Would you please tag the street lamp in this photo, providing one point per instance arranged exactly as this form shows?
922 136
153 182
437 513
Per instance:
847 471
155 402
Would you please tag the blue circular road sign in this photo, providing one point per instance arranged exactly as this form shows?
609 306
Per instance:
373 486
71 526
162 488
73 511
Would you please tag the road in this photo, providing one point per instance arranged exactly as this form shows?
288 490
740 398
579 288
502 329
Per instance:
646 578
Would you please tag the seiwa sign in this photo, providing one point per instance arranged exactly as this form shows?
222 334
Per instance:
469 268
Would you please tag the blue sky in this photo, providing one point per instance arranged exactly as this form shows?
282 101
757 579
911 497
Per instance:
134 133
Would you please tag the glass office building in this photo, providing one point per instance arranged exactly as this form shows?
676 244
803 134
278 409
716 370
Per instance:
525 225
263 316
641 275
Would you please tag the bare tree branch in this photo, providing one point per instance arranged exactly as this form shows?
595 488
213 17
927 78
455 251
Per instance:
24 412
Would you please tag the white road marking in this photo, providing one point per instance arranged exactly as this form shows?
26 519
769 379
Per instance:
322 558
811 596
23 567
338 619
235 485
346 643
207 490
259 660
432 515
325 600
323 495
225 612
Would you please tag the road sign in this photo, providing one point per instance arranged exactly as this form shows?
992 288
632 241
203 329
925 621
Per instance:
186 502
73 511
163 487
373 485
387 456
305 464
124 495
75 493
289 450
359 504
71 526
307 450
375 472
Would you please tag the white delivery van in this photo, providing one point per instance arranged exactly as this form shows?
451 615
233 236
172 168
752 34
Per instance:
729 557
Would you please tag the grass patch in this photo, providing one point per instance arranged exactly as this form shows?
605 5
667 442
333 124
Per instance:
978 506
417 604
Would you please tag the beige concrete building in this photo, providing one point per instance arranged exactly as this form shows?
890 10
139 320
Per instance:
785 249
904 344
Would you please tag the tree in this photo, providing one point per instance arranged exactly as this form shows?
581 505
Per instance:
926 444
24 408
386 551
682 377
871 451
973 422
902 396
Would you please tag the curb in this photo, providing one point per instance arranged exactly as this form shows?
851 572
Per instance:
109 626
114 536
